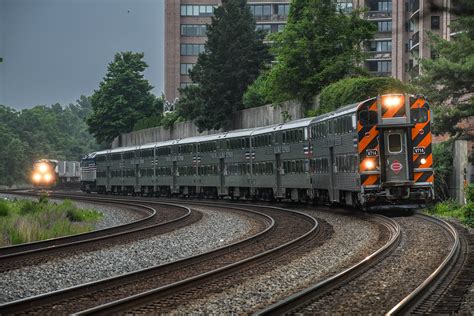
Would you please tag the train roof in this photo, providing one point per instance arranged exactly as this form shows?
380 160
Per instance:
282 126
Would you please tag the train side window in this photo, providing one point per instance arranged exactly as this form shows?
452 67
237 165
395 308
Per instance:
394 143
419 115
368 117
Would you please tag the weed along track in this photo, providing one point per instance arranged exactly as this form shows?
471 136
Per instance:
158 218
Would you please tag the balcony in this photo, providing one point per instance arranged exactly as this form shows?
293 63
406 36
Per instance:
376 55
415 40
380 74
271 18
377 15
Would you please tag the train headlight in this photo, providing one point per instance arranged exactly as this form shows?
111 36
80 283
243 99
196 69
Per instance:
423 161
392 100
43 167
47 177
36 177
369 164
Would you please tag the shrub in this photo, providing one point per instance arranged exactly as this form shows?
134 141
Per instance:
443 168
4 209
352 90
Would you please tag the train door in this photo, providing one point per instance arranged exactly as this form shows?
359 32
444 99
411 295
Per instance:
137 176
278 168
174 172
332 166
222 175
107 188
395 152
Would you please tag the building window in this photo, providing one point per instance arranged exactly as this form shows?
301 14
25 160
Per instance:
197 10
281 27
193 29
345 6
267 28
186 68
384 6
261 11
191 49
384 26
283 9
383 67
380 46
435 23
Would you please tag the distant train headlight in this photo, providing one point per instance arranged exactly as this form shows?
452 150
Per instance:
423 161
47 177
36 177
43 167
369 164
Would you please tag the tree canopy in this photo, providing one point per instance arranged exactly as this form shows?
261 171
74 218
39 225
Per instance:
123 98
233 58
318 46
448 79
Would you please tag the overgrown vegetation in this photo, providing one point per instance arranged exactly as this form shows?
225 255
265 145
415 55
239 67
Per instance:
352 90
27 220
452 209
54 132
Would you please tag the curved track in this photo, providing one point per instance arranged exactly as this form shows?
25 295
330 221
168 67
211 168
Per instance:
284 230
424 297
170 216
301 299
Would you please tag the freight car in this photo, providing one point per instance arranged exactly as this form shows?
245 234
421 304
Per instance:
375 153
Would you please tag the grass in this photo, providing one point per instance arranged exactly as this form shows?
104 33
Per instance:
452 209
27 220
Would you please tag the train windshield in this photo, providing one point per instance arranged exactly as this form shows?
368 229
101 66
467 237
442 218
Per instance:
419 115
368 117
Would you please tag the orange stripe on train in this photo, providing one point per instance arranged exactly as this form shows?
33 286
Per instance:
371 180
367 139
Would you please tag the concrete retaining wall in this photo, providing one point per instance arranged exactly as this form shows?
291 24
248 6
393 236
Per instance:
248 118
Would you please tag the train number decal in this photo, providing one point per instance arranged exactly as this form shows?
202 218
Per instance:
419 150
371 152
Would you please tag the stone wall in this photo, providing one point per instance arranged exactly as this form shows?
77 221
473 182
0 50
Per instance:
248 118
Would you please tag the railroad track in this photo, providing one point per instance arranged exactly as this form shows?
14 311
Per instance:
285 230
422 300
172 216
300 299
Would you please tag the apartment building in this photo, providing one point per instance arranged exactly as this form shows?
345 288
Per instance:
401 39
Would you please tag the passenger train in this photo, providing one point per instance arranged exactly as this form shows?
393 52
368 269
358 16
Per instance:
371 154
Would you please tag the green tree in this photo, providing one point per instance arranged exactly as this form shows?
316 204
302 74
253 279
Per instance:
318 46
233 58
123 98
448 79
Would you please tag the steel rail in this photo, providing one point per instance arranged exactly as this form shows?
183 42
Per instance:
147 296
303 297
423 291
14 253
46 298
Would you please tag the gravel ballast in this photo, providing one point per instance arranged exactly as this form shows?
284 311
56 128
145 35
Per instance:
216 229
352 238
